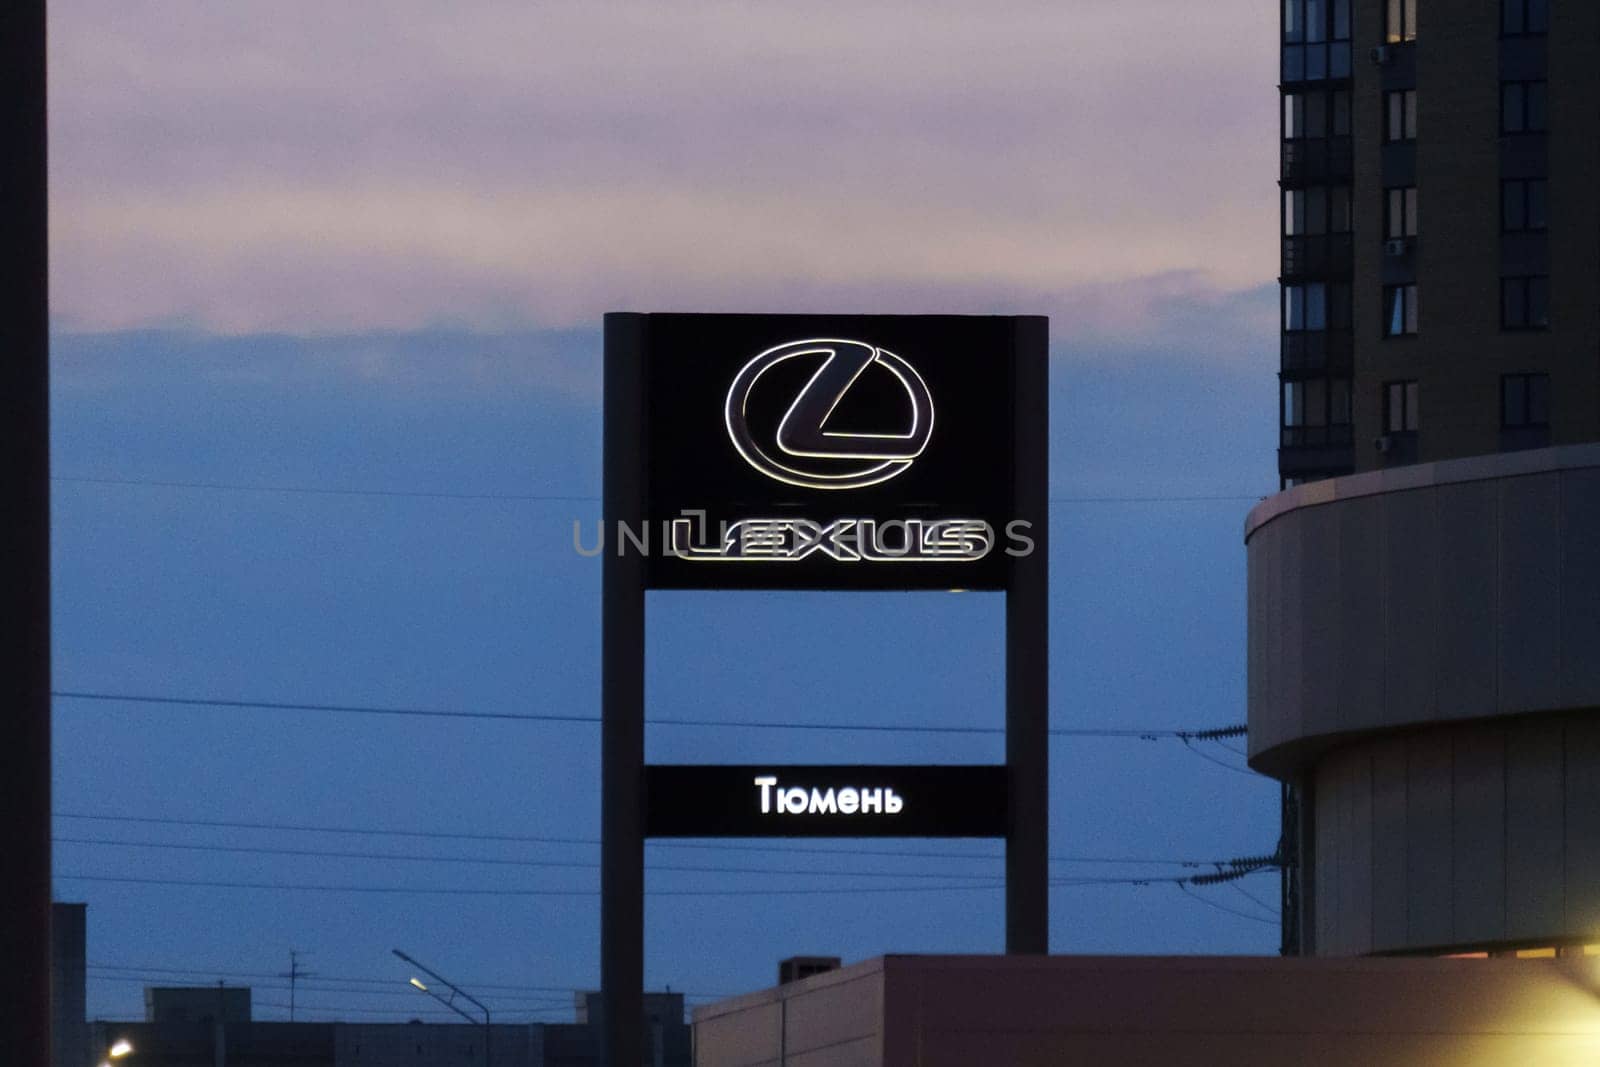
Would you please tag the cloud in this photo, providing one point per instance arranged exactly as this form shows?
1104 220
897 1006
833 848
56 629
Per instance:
311 167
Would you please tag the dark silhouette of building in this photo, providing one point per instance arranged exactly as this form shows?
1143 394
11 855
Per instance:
1440 268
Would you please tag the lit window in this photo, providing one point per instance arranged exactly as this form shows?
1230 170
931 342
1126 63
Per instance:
1400 310
1524 17
1548 953
1522 107
1400 23
1400 212
1400 407
1523 205
1401 109
1525 303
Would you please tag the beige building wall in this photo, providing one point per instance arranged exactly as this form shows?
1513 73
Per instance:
1424 666
932 1011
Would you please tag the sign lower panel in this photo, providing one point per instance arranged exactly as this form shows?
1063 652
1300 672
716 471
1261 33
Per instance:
765 800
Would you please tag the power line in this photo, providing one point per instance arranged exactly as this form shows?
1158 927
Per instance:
485 892
776 847
548 999
403 494
1186 891
224 973
408 494
749 724
1182 883
497 861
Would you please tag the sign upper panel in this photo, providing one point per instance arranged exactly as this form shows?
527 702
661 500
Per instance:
829 452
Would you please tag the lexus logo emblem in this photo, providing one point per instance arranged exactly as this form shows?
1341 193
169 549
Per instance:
802 432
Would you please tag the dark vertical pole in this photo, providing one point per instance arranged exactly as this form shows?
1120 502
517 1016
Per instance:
24 541
1027 652
622 702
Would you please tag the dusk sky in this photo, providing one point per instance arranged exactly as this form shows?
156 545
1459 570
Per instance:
327 287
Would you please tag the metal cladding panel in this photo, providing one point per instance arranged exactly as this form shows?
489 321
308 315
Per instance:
1468 552
1430 867
1580 586
1291 627
1320 569
1360 605
1326 914
1478 836
1355 853
1534 831
1411 600
1530 593
1389 899
802 438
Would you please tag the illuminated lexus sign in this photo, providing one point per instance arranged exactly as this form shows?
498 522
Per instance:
803 433
829 452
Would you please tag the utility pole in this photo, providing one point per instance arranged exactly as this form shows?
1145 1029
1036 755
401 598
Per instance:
294 974
24 539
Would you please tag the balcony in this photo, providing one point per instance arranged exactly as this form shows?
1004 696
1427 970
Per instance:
1313 160
1313 461
1329 351
1317 256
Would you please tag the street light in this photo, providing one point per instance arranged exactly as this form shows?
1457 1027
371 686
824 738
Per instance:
450 1001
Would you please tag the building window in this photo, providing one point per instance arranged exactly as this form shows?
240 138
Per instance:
1339 213
1305 403
1316 39
1340 119
1400 407
1520 18
1400 310
1522 107
1305 307
1339 306
1400 22
1317 210
1525 302
1400 212
1522 205
1524 400
1401 112
1310 407
1305 211
1305 115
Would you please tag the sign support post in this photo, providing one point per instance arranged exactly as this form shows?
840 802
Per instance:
1028 657
622 702
24 540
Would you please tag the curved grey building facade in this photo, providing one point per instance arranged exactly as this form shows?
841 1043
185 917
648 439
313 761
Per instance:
1424 671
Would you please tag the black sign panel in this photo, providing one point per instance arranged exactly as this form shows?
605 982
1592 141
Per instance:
830 452
763 800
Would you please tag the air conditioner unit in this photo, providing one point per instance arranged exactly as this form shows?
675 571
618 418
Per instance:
1380 54
1384 443
1396 247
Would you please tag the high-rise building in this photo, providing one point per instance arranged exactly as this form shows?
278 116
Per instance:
1424 649
1440 266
